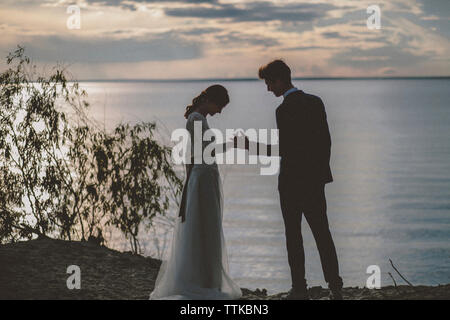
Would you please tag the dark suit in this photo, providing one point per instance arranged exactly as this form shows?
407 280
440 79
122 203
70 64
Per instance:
305 145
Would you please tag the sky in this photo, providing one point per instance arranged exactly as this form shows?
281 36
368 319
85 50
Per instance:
174 39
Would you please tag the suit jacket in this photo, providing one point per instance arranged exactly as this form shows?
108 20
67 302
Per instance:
304 140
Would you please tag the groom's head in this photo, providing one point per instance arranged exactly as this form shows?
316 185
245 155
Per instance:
277 76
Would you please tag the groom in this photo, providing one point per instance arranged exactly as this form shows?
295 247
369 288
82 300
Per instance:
304 148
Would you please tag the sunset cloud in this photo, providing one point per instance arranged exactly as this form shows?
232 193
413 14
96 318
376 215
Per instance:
174 38
161 47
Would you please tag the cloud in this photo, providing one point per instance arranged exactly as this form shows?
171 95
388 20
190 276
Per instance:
255 11
24 3
119 2
436 7
191 35
334 35
237 38
161 47
133 4
174 33
389 71
295 27
198 31
304 48
436 16
376 58
352 16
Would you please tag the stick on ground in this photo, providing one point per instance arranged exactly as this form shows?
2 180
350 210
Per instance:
392 264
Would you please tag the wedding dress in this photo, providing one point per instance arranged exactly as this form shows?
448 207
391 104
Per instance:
196 266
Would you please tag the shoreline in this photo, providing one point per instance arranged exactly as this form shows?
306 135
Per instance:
146 80
37 269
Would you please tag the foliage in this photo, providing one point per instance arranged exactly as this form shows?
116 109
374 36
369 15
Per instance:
61 176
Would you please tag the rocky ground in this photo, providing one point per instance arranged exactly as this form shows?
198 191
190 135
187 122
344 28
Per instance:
37 269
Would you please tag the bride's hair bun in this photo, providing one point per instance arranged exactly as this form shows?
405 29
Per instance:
215 93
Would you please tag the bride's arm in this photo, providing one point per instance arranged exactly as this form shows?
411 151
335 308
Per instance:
257 148
224 147
188 170
254 148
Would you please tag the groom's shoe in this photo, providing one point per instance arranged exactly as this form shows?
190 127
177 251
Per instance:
298 294
336 293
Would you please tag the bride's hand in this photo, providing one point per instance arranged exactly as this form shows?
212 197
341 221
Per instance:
239 136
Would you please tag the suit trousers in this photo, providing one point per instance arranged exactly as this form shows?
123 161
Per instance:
308 200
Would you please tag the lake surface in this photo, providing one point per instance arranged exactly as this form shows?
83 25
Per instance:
390 161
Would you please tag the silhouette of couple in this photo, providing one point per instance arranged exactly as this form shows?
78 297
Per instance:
197 266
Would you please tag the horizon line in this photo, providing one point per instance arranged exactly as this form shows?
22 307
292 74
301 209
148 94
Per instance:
256 79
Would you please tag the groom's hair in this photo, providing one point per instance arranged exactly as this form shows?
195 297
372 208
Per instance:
277 69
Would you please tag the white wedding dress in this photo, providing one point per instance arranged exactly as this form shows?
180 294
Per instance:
196 267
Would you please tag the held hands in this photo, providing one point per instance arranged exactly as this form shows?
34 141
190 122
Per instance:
237 141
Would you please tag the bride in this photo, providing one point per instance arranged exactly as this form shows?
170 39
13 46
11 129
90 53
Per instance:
197 265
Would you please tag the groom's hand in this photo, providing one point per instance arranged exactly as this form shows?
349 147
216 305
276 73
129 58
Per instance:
238 137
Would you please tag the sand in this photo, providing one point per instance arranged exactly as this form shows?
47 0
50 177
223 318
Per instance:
37 269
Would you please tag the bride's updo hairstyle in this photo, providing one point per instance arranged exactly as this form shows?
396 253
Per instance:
216 94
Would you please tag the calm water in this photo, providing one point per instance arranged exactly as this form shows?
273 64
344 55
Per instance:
390 161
